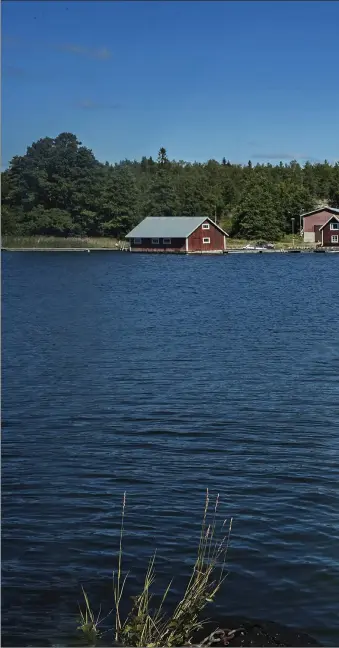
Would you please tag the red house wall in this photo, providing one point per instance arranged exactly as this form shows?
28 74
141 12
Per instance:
319 218
327 233
146 245
216 237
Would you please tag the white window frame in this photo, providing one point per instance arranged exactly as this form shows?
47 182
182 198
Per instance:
205 226
137 241
206 240
334 238
167 241
334 226
155 241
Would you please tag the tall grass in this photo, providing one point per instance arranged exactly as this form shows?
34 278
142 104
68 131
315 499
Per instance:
147 624
58 242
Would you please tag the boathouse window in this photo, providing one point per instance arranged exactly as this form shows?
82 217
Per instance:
334 226
205 226
155 241
137 241
167 241
206 240
334 238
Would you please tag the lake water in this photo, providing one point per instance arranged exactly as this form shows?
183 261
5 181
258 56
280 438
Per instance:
162 376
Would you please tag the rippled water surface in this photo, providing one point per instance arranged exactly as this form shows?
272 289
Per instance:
162 376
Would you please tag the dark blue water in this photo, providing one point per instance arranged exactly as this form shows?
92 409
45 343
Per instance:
162 376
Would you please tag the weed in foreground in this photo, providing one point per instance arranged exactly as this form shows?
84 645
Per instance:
148 625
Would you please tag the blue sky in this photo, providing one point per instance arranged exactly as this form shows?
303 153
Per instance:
244 80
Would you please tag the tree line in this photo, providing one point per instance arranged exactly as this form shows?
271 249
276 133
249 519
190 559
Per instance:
59 188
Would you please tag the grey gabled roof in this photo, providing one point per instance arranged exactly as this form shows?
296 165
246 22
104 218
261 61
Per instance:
333 210
168 227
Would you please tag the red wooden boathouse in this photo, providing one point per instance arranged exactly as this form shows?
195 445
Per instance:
181 234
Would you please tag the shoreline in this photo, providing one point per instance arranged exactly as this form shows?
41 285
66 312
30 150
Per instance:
229 251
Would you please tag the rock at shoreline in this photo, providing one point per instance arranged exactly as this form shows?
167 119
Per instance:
253 633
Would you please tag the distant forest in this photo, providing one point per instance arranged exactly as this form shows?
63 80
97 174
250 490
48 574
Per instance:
58 188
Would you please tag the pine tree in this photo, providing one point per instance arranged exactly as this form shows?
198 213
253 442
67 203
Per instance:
162 198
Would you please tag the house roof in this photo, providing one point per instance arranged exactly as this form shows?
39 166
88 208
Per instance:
169 227
333 210
329 220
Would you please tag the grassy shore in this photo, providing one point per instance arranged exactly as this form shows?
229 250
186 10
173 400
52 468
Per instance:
60 242
43 242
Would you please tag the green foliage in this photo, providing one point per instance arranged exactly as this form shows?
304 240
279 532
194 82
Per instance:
51 222
119 201
58 188
88 623
333 193
292 200
147 624
256 215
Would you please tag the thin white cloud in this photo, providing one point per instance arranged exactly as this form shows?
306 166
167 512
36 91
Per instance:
282 156
15 72
10 41
101 53
88 104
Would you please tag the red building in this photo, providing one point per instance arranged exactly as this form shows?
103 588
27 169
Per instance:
330 232
180 234
313 221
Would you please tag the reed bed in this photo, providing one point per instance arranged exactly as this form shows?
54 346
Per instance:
59 242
